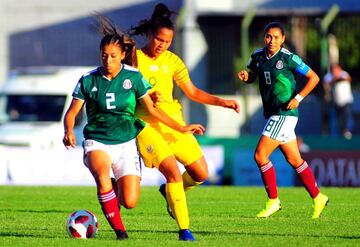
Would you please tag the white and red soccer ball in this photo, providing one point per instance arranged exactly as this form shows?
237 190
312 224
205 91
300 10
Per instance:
82 224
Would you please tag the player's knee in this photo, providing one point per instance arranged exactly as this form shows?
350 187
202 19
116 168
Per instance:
129 203
173 177
205 176
170 170
201 177
103 184
258 158
198 170
295 162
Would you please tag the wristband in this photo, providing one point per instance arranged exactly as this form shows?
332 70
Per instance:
299 98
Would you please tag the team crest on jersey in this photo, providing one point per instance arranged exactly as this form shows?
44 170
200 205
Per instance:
279 64
127 84
149 149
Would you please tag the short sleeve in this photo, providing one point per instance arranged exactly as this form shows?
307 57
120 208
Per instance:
295 63
181 73
79 91
141 86
251 65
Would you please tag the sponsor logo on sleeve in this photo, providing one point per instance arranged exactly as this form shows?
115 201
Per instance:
296 59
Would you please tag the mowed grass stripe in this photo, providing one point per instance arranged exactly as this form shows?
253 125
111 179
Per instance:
219 216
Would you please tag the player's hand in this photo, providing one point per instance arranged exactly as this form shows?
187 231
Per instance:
194 129
292 104
243 75
156 97
232 104
69 140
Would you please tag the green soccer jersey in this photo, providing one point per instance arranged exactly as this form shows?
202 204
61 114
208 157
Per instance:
277 79
110 104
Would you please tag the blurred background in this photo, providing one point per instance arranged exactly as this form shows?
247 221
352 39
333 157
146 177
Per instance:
45 46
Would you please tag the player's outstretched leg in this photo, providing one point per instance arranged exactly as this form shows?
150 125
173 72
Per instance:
177 202
186 235
319 204
162 190
271 207
109 205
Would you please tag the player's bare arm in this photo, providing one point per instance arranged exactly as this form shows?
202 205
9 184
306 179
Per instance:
313 80
200 96
69 139
156 96
162 117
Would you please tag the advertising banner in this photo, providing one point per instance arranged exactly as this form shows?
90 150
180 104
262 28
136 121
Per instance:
246 172
331 168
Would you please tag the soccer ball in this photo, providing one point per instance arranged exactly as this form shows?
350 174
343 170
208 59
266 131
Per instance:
82 224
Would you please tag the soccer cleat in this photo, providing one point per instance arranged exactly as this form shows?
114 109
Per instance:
121 235
271 206
186 235
319 203
162 190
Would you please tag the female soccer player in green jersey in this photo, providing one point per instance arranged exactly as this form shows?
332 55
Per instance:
276 68
110 94
162 68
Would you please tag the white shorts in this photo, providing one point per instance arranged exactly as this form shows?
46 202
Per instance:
125 159
281 128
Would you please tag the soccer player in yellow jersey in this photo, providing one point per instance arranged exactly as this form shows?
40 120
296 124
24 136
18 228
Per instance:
162 68
110 94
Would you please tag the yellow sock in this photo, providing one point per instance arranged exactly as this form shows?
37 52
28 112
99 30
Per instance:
189 183
177 201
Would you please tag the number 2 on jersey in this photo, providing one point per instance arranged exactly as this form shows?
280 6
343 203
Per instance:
110 97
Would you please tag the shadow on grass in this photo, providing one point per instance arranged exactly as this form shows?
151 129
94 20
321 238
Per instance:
19 235
223 233
198 234
33 211
276 234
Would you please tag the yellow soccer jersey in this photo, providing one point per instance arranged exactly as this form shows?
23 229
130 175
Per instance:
162 73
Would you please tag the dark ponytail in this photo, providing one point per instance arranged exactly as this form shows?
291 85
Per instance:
112 35
160 18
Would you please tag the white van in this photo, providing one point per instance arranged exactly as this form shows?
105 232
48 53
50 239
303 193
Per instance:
33 102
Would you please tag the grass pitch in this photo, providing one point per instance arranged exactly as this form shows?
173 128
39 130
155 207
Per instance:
219 216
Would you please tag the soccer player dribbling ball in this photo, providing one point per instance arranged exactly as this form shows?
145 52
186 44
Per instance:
276 67
110 94
164 70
